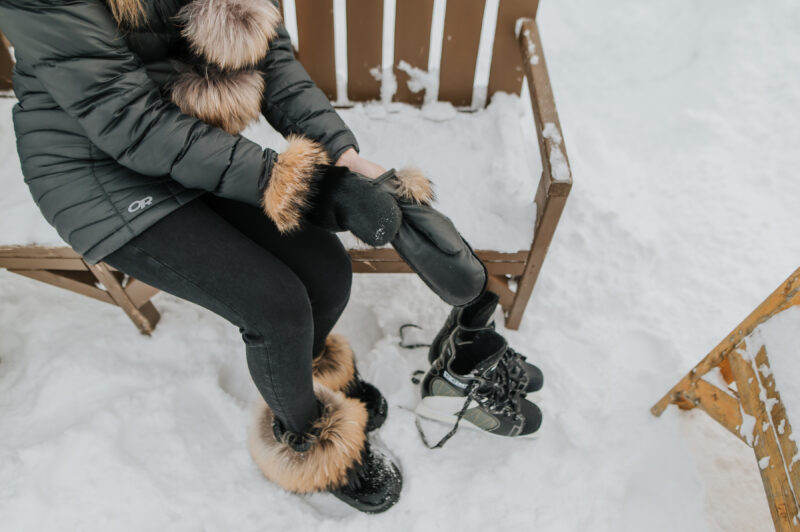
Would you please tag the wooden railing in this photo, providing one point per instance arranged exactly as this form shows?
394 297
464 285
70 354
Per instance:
6 64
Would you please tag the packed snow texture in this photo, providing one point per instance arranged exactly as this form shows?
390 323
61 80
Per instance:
681 124
494 150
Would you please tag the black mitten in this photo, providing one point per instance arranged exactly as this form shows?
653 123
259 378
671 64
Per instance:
430 244
347 201
304 188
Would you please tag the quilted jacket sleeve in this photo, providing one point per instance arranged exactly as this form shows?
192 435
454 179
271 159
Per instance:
80 57
294 104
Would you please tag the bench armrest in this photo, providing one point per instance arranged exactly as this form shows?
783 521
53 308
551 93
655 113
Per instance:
556 173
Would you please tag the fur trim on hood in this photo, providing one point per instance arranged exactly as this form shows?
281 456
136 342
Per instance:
230 100
229 38
230 34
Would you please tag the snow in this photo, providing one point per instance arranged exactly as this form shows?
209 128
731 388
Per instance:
680 119
493 149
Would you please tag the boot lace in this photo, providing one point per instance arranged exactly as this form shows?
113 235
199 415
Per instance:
496 391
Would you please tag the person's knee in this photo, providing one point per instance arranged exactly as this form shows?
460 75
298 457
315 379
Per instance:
278 312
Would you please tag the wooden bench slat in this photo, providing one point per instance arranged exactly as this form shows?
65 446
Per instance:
779 418
462 33
412 44
41 263
506 73
32 251
364 49
6 65
776 482
316 43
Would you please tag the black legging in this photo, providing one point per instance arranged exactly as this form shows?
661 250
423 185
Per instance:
284 292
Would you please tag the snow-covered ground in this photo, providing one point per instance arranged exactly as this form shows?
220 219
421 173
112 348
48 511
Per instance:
681 123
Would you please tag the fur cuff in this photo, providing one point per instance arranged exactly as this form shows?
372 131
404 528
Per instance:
228 100
290 184
414 186
232 34
335 368
335 452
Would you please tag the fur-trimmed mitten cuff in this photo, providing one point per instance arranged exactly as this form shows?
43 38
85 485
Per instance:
304 185
289 191
337 445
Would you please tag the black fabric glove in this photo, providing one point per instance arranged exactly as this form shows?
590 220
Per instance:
429 242
304 188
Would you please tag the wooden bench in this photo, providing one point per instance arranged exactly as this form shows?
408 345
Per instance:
517 54
750 407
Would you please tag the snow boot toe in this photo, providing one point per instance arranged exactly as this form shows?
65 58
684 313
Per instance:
332 456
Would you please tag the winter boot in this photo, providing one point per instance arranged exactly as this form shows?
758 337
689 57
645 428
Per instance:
477 317
469 382
335 369
334 456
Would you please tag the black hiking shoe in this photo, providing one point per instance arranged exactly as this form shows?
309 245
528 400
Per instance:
477 317
470 383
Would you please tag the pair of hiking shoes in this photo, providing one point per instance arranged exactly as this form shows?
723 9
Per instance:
476 378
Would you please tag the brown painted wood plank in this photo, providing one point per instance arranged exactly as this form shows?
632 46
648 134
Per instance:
785 296
499 285
37 252
66 283
146 320
391 254
6 64
718 404
139 292
462 33
34 263
783 428
364 49
316 42
782 504
544 109
506 73
412 44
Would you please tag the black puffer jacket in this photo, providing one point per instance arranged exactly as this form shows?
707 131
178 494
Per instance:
106 152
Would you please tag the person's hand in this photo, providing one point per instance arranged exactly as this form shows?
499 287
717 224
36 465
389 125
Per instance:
352 160
303 186
344 200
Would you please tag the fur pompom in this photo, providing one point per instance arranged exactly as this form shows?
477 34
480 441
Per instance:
335 367
287 193
414 186
231 34
333 454
228 100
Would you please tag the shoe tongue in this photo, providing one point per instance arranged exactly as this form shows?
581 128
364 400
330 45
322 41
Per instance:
489 363
480 313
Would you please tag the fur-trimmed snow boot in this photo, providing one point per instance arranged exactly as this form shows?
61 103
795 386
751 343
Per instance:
335 368
477 317
334 456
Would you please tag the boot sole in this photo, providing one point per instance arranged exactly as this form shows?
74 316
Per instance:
431 408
